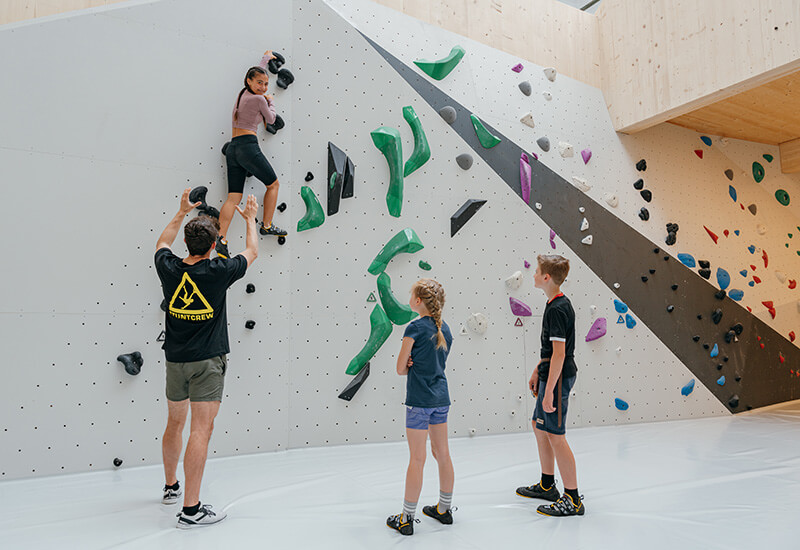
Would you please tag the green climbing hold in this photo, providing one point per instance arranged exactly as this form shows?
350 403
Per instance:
758 172
487 139
380 329
782 196
424 265
398 313
314 213
422 151
371 298
388 142
441 67
768 157
405 241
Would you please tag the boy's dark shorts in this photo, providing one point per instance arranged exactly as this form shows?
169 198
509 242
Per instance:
548 422
198 380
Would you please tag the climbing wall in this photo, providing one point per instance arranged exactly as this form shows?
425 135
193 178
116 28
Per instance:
112 165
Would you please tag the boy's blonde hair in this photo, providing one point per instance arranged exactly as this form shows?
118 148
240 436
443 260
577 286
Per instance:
554 265
432 295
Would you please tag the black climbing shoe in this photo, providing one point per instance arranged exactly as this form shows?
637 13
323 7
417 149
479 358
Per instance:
272 230
222 248
537 491
433 511
396 522
562 507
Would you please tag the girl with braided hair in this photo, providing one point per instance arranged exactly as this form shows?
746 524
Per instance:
426 344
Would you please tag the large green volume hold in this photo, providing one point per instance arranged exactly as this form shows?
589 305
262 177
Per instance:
487 139
314 213
441 67
380 329
398 313
388 142
422 151
405 241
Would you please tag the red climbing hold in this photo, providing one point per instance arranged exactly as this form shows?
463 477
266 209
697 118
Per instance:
698 152
711 234
749 309
726 232
765 257
757 279
770 307
792 284
752 267
791 336
780 357
762 345
740 204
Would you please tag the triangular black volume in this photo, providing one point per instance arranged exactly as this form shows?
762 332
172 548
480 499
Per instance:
349 176
355 384
464 214
337 163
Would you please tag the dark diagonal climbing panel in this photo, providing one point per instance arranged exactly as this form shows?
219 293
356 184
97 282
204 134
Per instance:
355 384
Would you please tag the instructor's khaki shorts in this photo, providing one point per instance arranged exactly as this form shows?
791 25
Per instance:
198 380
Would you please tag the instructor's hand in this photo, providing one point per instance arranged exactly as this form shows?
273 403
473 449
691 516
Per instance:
250 209
534 382
547 403
187 206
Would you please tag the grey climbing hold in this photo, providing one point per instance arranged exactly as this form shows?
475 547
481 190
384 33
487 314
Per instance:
753 209
463 214
525 87
729 174
464 161
448 114
544 143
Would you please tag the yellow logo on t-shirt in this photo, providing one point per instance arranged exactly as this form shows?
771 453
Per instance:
188 303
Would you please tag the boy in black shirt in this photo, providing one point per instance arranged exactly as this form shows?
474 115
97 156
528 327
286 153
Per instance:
195 346
551 382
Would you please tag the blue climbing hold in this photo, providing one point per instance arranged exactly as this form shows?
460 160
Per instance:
688 388
620 306
752 249
620 404
715 350
743 273
732 192
723 279
721 380
630 322
736 231
621 320
752 283
706 140
687 259
736 295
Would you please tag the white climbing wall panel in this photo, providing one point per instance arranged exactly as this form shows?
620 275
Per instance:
101 141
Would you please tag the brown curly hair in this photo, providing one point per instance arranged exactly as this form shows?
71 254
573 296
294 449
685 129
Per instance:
432 295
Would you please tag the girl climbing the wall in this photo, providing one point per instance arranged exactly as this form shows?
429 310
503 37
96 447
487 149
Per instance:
426 344
244 156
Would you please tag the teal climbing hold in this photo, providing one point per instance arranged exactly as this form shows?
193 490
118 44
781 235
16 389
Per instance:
687 259
405 241
782 196
620 404
424 265
398 313
715 350
735 294
380 329
620 306
332 182
630 322
752 249
723 278
371 298
732 192
620 320
721 380
706 140
758 172
743 273
768 157
441 67
688 388
315 216
422 151
487 139
388 142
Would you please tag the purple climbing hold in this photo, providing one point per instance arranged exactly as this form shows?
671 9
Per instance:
597 330
586 154
517 68
527 264
552 239
525 177
519 309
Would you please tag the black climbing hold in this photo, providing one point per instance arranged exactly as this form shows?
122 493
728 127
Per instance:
674 287
117 462
719 366
716 316
734 402
341 184
706 346
641 166
250 325
644 214
696 338
670 239
729 174
281 240
738 378
211 212
638 184
729 336
672 227
225 147
275 126
164 305
725 358
250 288
652 272
656 250
276 63
132 361
704 273
354 385
720 295
285 77
463 214
282 207
309 176
198 194
646 195
644 278
699 317
705 264
666 258
738 328
161 337
670 308
749 408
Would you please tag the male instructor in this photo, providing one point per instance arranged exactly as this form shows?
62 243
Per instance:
196 346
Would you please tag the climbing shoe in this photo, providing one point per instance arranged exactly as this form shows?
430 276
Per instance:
564 506
222 248
537 491
273 230
433 511
396 522
204 516
171 495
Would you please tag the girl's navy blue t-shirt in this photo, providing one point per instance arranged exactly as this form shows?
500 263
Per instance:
426 385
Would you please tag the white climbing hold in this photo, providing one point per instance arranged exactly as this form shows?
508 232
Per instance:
587 239
538 206
611 199
619 351
616 285
547 95
584 224
565 149
761 228
478 323
472 431
593 309
515 281
527 120
580 183
463 330
550 73
513 413
581 209
781 276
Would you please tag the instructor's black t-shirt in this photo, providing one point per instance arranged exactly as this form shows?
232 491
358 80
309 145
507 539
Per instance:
196 321
558 323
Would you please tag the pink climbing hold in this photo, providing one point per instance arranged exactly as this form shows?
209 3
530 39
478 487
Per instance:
552 239
517 68
711 234
586 154
519 309
525 177
597 330
527 264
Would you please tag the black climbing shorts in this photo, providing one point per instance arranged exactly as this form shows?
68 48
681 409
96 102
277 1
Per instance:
548 422
197 380
244 156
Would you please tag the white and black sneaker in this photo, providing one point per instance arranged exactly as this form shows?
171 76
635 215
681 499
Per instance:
171 495
204 517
